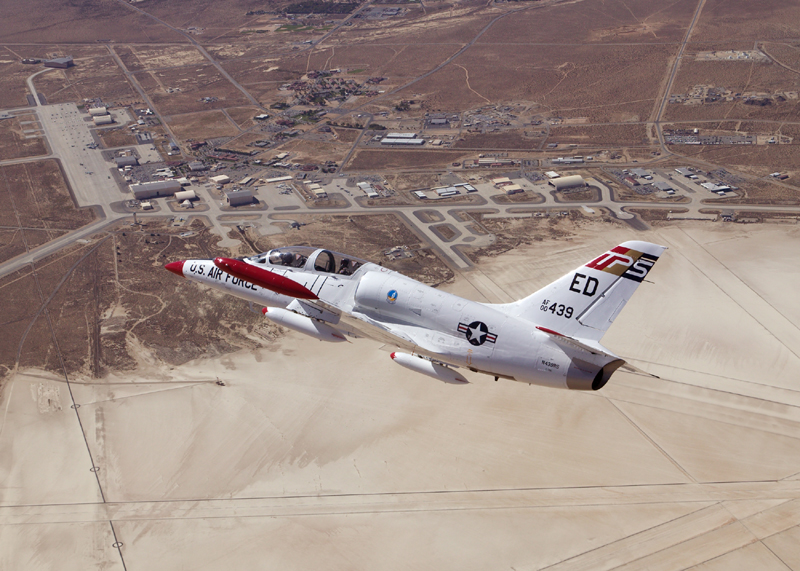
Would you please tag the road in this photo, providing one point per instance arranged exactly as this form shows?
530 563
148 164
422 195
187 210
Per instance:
352 150
468 232
199 48
423 76
668 88
32 87
89 177
446 225
142 93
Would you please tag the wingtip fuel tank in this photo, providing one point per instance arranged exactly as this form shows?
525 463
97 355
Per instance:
303 324
429 368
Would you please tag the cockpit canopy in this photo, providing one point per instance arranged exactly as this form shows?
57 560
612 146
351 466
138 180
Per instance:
310 259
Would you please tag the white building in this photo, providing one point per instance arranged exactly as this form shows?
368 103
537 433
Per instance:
408 142
715 187
220 179
368 189
279 179
563 183
182 195
155 189
447 191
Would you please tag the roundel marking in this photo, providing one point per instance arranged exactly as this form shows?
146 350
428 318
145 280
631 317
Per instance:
391 297
477 332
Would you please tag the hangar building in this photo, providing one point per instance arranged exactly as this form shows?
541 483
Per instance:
155 189
393 141
129 161
60 62
565 182
182 195
239 197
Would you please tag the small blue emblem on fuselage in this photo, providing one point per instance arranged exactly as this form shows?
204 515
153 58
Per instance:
391 297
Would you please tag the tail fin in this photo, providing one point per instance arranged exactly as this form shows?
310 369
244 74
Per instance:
585 302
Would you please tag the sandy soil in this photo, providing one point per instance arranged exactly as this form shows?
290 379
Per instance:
319 455
14 143
203 125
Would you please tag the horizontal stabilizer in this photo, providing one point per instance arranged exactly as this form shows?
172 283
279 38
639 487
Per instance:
592 347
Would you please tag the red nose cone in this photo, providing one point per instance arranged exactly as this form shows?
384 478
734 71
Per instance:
175 267
264 311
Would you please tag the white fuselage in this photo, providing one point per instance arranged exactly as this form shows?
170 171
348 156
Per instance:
438 324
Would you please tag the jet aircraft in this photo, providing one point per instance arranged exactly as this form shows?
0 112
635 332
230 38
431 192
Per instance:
549 338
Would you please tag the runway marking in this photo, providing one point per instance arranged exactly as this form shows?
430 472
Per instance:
145 393
400 502
707 374
703 402
688 540
651 441
647 541
767 316
731 386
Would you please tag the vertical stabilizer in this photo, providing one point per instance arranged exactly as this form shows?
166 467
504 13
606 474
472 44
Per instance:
584 303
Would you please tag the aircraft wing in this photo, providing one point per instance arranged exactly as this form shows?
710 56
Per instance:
406 336
316 309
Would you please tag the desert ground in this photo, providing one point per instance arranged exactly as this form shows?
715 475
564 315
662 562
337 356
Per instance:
148 423
13 142
298 454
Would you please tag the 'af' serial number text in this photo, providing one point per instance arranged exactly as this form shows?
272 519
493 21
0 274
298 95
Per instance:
556 309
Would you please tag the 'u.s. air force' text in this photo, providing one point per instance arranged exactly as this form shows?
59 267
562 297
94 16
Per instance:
215 273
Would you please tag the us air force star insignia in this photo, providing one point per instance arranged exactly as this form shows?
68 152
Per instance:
477 333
